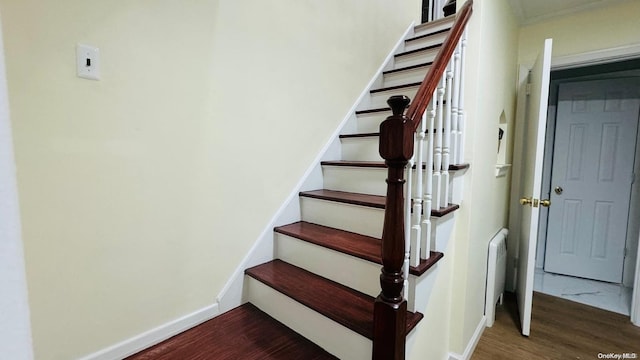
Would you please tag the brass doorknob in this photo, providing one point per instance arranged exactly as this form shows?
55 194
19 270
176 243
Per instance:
525 201
545 202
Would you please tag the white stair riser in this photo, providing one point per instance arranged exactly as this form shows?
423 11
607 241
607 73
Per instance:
421 288
331 336
405 76
359 219
368 180
355 179
457 187
370 123
379 99
419 57
443 227
424 42
358 274
361 149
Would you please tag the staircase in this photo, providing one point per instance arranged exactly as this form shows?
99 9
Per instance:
325 276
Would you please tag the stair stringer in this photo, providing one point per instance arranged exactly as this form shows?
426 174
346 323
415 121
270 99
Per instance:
262 250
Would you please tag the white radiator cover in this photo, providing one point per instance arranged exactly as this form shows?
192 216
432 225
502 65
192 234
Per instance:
496 272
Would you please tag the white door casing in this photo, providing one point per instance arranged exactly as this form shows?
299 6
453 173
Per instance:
515 209
576 61
592 172
531 177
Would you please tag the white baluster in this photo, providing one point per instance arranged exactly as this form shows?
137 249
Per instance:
430 14
461 112
428 125
455 106
440 9
418 194
407 227
437 153
446 137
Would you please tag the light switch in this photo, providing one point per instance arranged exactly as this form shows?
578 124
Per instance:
88 62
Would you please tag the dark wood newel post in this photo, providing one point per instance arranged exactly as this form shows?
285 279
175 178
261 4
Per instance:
390 309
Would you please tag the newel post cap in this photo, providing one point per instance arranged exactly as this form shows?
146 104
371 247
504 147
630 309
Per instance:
396 132
398 104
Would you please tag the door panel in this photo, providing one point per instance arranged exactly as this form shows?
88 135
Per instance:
531 177
594 150
576 151
570 219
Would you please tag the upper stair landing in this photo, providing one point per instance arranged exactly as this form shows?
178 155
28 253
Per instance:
434 26
409 65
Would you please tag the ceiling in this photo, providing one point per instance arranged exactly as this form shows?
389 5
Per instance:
531 11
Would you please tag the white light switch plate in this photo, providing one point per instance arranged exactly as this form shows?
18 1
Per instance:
88 62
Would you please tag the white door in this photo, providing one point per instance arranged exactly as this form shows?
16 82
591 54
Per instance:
591 178
531 177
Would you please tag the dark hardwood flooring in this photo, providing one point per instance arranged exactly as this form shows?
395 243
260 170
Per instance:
560 329
243 333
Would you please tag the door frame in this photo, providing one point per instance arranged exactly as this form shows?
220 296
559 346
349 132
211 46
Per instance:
634 207
602 56
607 56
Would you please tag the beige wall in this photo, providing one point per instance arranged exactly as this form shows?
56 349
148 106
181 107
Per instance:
141 193
611 27
491 72
15 329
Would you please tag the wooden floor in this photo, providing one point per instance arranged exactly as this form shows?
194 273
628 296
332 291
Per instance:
243 333
560 329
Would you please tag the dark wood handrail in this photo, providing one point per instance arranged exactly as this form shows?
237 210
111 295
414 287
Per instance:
430 83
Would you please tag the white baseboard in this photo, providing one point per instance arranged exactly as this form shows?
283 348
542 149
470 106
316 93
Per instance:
473 342
262 251
154 336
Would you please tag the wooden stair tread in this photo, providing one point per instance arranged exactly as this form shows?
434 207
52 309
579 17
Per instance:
427 35
459 166
396 87
357 245
430 47
412 67
372 111
351 136
361 164
242 333
339 303
357 135
445 210
373 201
380 164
